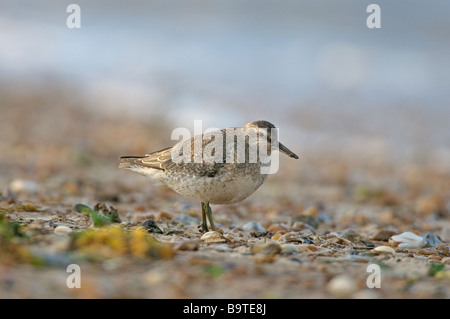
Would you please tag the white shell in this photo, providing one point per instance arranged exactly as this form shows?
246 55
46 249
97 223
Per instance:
62 230
213 237
408 240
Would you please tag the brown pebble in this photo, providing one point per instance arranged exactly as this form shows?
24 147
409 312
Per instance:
265 248
291 237
383 234
435 258
298 225
276 236
306 219
311 211
189 245
278 229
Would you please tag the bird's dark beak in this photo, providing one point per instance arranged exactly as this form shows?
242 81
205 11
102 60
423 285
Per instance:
286 151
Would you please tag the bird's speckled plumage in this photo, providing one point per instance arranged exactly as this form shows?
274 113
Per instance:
212 180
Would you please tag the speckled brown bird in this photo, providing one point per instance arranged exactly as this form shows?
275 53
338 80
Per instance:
212 168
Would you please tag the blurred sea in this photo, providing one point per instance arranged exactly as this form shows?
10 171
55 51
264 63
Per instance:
311 67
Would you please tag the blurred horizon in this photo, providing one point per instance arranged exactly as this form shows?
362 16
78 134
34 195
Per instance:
312 68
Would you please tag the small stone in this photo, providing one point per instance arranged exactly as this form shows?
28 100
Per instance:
311 211
348 234
301 226
383 234
432 240
307 219
278 229
189 245
276 237
151 226
307 233
383 250
23 186
213 237
288 248
292 237
437 258
228 236
341 286
62 230
265 248
253 226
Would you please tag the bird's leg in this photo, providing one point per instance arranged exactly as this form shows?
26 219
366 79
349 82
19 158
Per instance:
209 214
204 212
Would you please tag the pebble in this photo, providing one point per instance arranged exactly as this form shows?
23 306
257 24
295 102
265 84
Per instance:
383 250
291 237
213 237
278 229
301 226
253 226
151 226
437 258
288 248
348 234
383 234
62 230
306 233
23 186
265 248
311 211
341 286
189 245
276 236
307 219
432 240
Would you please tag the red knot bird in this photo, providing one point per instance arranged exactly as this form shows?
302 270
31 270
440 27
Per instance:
218 167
